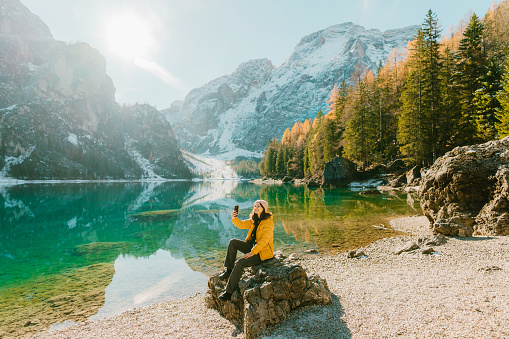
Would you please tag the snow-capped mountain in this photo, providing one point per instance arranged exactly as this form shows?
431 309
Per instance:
58 114
236 114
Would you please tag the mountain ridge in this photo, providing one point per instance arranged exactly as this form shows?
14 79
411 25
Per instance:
293 91
58 114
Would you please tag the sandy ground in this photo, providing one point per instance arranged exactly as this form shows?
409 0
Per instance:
459 291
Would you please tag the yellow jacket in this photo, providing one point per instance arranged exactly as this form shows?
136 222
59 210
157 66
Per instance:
264 236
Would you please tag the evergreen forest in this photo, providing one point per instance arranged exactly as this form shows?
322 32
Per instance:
442 91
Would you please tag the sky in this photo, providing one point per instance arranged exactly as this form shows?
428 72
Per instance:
158 50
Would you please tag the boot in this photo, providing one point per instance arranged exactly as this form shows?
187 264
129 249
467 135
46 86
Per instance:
226 274
225 296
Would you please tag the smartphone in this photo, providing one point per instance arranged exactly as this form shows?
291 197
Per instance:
236 209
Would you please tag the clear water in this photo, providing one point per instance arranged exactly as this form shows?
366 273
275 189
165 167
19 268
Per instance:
71 252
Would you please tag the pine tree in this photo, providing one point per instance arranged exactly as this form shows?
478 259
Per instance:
413 132
487 104
471 69
450 118
503 97
361 130
432 67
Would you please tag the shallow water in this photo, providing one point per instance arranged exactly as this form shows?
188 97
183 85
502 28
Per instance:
71 252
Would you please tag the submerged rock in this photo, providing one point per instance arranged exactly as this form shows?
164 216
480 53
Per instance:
466 191
267 293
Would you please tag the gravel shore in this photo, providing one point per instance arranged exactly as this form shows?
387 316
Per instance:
461 290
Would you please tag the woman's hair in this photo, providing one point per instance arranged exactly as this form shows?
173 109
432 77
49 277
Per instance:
264 215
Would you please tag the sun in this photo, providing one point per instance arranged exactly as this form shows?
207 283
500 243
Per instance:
128 35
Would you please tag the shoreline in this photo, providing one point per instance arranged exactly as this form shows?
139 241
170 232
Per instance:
463 291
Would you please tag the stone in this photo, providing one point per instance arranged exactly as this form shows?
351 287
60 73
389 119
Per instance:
413 176
435 240
410 246
399 181
355 254
466 191
490 269
494 216
267 293
428 250
293 256
452 227
338 172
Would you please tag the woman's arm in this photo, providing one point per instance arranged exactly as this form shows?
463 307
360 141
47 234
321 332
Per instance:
242 224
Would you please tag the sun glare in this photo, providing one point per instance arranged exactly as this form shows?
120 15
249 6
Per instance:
128 36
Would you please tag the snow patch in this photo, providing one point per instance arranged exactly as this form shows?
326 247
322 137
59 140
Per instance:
13 203
10 161
73 139
145 164
72 223
210 168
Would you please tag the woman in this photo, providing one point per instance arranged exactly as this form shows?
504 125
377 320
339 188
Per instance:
257 247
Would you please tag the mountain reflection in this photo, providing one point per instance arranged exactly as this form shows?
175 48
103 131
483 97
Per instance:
72 251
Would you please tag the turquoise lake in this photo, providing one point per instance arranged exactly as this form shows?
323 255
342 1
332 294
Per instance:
76 251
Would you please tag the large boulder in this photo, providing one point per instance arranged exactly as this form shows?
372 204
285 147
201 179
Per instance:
338 172
466 191
267 293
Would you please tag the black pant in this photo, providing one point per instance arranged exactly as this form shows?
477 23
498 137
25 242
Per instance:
238 266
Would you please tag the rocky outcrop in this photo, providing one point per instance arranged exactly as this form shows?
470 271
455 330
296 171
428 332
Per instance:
267 293
338 172
58 114
466 191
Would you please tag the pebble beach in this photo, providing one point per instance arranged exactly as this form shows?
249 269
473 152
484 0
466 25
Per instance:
459 290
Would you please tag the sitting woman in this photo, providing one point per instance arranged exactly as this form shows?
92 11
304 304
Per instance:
259 245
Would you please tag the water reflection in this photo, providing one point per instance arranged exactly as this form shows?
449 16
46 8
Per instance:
143 281
72 251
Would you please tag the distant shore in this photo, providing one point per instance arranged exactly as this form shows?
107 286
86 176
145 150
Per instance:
459 291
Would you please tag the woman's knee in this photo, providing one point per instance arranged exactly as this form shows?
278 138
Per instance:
234 243
240 263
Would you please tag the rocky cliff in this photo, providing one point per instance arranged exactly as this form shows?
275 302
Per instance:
466 191
238 113
58 114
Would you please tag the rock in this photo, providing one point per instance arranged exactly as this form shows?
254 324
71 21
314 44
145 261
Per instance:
399 181
435 240
452 227
413 176
267 293
410 246
338 172
32 322
293 256
490 269
311 251
356 254
428 250
279 255
396 166
494 216
59 117
287 179
471 185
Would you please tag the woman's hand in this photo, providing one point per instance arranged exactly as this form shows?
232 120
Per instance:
235 214
247 255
